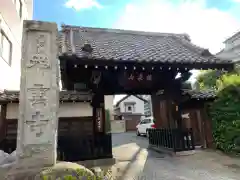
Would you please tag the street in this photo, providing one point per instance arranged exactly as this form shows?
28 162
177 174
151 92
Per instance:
136 162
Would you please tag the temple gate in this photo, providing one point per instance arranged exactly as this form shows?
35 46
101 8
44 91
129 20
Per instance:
102 62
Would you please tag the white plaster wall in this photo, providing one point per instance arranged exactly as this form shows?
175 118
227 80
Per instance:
139 107
65 110
12 25
233 41
236 42
232 48
118 126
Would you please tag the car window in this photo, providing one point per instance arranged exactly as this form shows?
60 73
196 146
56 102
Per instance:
143 121
148 120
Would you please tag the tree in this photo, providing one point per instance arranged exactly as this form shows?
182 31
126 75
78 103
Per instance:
225 113
208 79
225 110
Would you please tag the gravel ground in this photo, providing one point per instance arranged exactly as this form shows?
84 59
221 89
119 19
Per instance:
136 162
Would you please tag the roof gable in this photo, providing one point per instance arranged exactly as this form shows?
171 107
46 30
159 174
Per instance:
127 96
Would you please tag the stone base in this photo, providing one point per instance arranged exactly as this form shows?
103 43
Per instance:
25 169
16 172
27 166
61 169
170 152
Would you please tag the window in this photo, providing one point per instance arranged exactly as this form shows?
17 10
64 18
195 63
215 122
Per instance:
148 121
143 122
129 108
5 48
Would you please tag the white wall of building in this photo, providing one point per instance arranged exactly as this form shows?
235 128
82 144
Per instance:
148 105
232 48
232 41
108 102
139 105
65 110
11 24
118 126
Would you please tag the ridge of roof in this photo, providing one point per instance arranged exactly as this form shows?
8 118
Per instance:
123 31
125 97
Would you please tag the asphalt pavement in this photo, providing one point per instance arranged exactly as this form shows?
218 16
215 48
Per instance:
136 162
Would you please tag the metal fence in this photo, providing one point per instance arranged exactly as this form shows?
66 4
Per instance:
175 140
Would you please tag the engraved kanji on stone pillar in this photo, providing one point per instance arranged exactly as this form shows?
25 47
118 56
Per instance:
39 101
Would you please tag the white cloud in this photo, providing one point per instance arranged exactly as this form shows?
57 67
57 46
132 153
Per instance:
207 27
82 4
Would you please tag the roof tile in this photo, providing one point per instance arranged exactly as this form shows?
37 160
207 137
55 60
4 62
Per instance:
109 44
65 96
203 94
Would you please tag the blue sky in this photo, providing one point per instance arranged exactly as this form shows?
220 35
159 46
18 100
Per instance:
103 15
208 22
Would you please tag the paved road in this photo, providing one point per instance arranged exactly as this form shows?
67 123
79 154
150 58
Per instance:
136 162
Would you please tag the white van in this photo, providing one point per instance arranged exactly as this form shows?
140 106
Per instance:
145 124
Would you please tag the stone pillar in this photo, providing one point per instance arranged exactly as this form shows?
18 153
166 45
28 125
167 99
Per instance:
39 95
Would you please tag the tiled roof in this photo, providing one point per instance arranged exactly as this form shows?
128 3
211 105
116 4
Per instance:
110 44
65 96
195 94
206 94
72 96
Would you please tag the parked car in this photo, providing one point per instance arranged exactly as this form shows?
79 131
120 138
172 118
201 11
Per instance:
144 125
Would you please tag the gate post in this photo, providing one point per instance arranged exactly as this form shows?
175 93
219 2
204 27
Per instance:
39 96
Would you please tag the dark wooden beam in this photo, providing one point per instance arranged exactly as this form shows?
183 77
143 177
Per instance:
147 64
3 121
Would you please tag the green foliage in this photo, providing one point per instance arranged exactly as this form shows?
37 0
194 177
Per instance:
66 171
77 176
208 79
225 113
227 80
